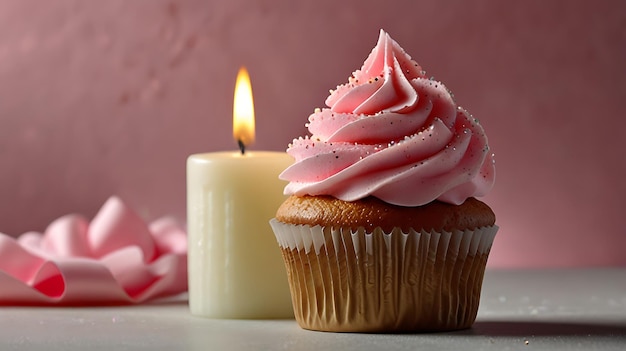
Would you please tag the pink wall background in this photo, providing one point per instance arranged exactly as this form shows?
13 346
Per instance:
110 97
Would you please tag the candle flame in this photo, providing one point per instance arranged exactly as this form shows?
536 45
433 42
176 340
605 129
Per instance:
243 111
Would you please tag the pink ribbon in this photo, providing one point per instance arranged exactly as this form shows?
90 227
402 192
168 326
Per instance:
115 259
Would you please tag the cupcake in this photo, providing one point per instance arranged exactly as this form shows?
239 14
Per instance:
382 231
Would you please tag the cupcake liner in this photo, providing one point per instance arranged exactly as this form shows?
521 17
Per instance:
350 280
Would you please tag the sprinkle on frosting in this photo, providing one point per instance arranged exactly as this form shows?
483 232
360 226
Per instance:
391 133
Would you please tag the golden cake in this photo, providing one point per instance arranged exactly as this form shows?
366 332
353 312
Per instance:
382 231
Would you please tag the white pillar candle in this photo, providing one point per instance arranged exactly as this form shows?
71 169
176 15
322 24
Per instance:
235 265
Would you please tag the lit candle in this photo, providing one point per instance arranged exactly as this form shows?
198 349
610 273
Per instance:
235 265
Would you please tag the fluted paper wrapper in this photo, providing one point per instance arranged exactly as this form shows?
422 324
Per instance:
349 280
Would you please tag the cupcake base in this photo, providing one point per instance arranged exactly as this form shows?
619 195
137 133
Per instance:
345 280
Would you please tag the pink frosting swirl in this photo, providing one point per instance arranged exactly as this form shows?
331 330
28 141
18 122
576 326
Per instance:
391 133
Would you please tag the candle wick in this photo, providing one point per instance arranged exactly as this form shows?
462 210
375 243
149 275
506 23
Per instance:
242 147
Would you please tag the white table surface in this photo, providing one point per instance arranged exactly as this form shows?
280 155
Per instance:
520 310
